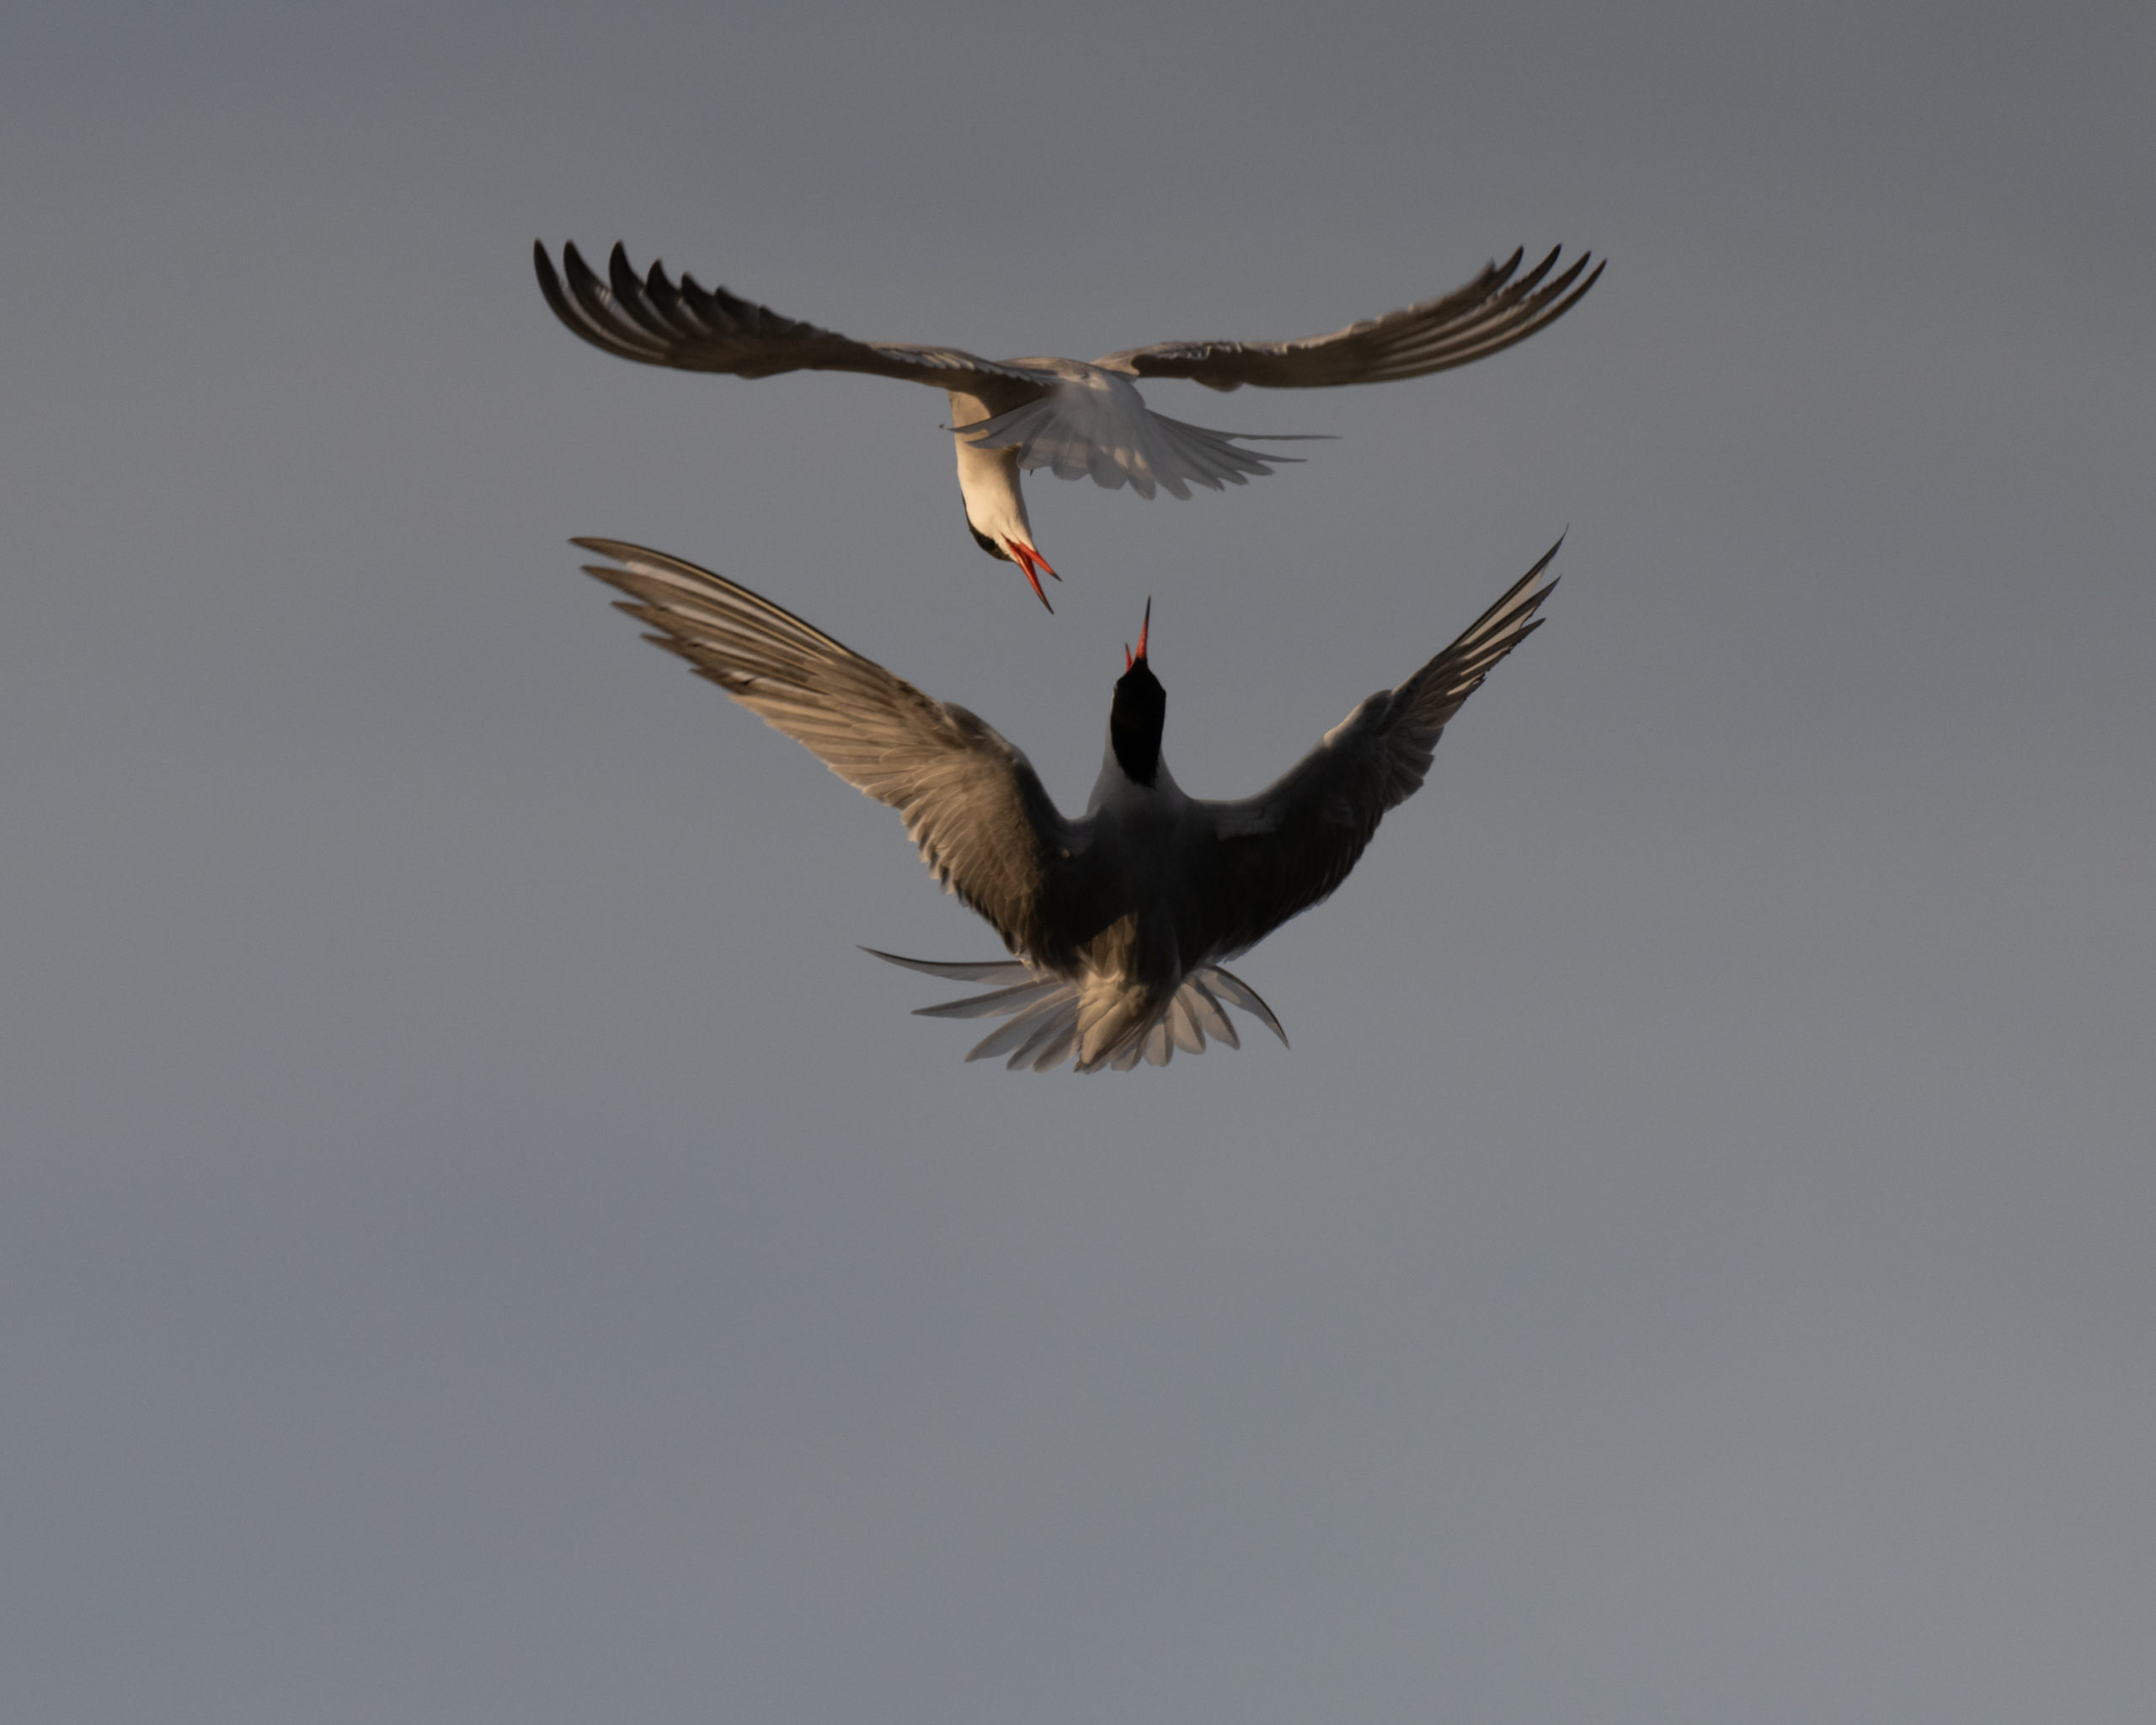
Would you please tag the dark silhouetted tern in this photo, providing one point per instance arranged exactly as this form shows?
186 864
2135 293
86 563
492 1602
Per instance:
1081 420
1120 920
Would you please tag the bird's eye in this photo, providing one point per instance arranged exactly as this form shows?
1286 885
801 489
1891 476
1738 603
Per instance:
988 544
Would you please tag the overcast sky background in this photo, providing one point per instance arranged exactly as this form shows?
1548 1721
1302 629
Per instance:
478 1243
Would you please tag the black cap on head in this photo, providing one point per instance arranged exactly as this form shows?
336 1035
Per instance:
1139 712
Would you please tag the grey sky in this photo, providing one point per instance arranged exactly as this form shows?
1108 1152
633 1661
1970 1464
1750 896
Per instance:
477 1242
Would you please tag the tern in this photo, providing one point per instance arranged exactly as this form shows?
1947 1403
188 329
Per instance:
1081 420
1118 921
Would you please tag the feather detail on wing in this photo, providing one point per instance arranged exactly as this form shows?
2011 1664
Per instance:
1050 1016
971 801
1288 847
1103 431
658 321
1487 315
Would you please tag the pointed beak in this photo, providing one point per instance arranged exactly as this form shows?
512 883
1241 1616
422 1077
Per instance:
1145 629
1035 565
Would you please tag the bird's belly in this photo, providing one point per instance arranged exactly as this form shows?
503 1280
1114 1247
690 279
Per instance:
1139 917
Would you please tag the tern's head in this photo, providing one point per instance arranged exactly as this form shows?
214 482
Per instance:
1011 548
1138 711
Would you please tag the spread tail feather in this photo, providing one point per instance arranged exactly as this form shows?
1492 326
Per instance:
1070 432
995 970
1045 1026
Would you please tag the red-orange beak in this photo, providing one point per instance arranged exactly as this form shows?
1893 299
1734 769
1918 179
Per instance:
1034 564
1145 629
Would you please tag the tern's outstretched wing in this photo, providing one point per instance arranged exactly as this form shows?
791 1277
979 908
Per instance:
661 322
1288 847
1489 314
973 803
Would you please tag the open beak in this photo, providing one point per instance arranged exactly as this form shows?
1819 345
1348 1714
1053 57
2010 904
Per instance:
1145 629
1035 565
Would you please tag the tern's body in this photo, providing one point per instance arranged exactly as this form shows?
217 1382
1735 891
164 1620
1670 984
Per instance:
1120 918
1081 420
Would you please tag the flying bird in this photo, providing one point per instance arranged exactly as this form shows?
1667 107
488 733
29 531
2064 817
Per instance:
1081 420
1120 920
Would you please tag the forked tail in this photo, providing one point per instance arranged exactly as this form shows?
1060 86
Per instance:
1050 1016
